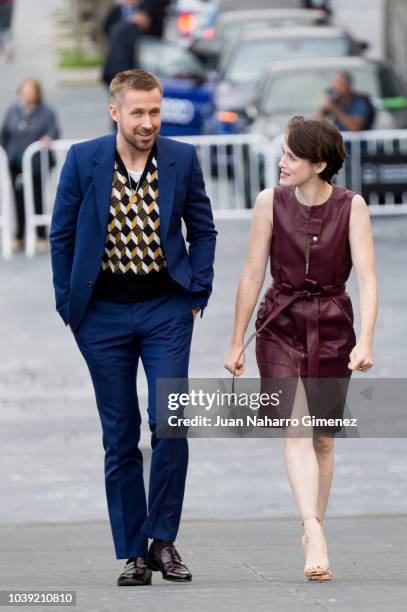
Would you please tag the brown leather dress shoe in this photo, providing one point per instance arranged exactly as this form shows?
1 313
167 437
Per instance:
135 573
163 557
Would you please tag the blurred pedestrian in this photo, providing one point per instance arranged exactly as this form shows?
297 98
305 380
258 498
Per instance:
312 232
122 26
148 15
6 39
26 121
125 23
349 110
153 14
119 13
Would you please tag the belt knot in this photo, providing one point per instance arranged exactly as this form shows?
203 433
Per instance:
312 289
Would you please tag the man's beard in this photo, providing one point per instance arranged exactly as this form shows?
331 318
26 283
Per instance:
131 141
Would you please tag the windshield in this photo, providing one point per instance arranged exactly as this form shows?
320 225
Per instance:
230 30
247 61
302 91
168 60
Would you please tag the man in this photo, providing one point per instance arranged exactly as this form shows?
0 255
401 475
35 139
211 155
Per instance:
123 26
129 289
149 15
125 23
154 12
349 110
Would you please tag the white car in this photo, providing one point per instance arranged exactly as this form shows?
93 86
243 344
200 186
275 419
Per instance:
296 87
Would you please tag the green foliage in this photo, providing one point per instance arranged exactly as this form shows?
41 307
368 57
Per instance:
76 58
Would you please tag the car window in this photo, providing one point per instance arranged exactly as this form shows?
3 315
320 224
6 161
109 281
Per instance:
247 61
230 30
302 91
169 60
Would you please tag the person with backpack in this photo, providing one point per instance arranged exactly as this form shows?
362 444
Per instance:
348 110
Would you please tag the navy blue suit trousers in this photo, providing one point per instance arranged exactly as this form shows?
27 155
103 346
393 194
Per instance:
113 337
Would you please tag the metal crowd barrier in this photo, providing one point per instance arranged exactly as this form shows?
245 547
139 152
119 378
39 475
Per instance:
237 167
49 165
5 205
376 167
234 170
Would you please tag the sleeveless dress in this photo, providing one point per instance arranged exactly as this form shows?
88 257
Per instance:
304 325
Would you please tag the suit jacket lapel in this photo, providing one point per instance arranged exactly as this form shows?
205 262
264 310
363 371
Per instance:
102 171
166 183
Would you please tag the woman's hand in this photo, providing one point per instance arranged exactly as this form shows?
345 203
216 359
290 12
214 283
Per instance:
361 357
46 140
234 362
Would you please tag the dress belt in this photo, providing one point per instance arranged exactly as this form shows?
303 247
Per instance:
285 294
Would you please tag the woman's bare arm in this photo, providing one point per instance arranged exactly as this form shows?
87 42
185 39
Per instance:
363 259
252 276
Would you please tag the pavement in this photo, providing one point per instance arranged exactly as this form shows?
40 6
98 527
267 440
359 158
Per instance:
237 565
239 534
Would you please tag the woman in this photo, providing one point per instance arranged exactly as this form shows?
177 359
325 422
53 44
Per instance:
304 326
27 121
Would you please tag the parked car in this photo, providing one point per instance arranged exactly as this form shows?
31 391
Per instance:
188 95
292 87
230 25
236 84
193 20
188 20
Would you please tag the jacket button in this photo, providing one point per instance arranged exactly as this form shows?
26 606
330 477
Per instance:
101 253
91 284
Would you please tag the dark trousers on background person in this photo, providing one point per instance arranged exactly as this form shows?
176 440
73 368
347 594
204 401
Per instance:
112 337
17 184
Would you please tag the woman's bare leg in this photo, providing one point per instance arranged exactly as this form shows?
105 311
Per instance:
304 477
324 450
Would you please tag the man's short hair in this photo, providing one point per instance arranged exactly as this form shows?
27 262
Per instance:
133 79
348 76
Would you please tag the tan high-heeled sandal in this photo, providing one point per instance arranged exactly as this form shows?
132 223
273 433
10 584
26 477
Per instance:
317 573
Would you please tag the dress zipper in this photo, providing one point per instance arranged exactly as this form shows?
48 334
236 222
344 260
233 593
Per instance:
307 248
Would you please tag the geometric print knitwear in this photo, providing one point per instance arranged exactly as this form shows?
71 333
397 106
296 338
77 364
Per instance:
133 243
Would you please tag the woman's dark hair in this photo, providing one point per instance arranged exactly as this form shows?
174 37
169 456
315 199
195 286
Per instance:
317 140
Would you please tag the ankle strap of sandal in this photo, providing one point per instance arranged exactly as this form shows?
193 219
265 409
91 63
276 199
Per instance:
307 518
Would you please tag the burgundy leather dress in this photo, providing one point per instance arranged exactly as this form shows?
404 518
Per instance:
304 325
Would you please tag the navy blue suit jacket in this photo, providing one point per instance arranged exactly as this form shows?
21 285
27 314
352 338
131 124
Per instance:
80 219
